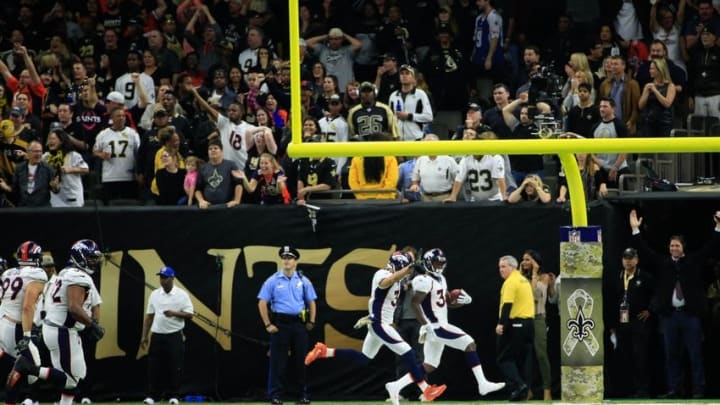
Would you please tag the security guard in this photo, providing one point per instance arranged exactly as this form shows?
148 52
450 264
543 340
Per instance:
631 327
515 328
291 314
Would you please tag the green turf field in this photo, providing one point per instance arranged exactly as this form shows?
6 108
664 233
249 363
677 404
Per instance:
440 401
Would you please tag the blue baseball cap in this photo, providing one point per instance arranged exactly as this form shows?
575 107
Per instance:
166 272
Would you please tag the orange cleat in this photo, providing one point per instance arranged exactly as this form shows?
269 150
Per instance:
318 352
433 391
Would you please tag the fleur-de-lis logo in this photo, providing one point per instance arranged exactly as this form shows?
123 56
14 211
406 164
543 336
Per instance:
580 327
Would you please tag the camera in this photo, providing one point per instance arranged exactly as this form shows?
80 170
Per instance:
545 84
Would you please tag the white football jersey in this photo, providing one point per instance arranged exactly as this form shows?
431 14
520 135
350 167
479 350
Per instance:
123 147
479 177
434 305
40 307
127 87
383 301
233 140
14 284
56 304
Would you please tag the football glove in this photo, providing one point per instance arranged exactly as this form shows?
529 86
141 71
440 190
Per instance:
95 331
362 322
426 333
464 298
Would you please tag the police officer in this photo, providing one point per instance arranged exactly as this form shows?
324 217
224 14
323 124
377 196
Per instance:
288 318
630 328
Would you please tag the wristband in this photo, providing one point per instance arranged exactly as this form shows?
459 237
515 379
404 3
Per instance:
27 334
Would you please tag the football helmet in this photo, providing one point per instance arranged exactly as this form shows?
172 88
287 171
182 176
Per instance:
398 261
29 253
434 261
85 254
3 264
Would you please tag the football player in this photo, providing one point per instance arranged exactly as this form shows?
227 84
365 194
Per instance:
431 301
21 287
65 317
382 304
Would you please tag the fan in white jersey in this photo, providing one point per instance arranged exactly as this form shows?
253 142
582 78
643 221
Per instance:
431 301
117 146
381 308
65 316
236 135
130 83
481 176
21 288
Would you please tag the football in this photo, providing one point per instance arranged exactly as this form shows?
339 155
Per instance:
454 294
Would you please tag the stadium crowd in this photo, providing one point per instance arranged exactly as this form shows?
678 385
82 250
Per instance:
188 102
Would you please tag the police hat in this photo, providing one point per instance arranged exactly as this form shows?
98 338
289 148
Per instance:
288 251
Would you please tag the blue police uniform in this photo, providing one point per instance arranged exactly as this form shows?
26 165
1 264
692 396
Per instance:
287 298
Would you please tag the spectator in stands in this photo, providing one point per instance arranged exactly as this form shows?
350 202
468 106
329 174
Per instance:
524 127
69 166
33 180
23 130
207 49
433 174
370 115
113 59
374 173
706 17
22 102
610 44
315 174
704 69
29 82
169 142
531 189
151 67
146 121
612 164
352 95
117 147
167 58
482 177
220 94
193 164
578 63
625 93
216 182
666 27
405 170
70 127
387 78
445 67
573 97
393 36
330 87
169 180
658 50
248 57
584 115
488 56
269 178
134 83
593 179
411 106
334 127
473 119
656 101
336 58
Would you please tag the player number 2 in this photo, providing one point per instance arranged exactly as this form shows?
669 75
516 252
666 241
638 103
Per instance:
481 180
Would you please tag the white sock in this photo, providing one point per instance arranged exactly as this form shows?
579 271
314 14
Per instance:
422 385
403 381
479 375
330 352
44 373
66 399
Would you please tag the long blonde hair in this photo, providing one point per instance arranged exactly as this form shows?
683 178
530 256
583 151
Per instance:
662 67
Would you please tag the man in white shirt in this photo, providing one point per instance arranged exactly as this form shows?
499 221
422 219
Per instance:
434 175
168 309
117 147
411 106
